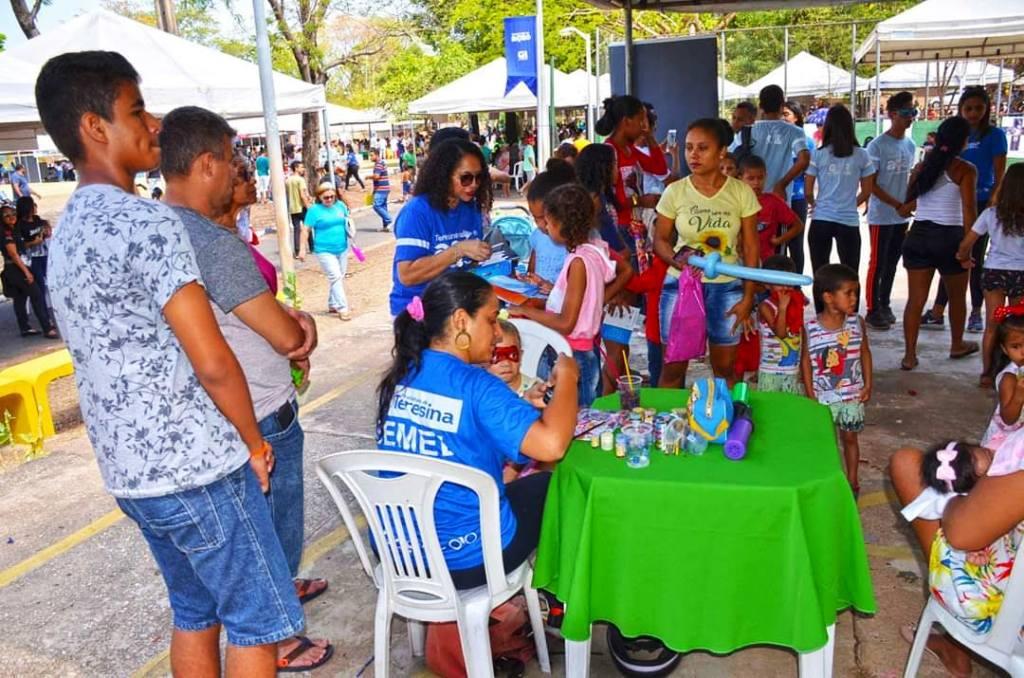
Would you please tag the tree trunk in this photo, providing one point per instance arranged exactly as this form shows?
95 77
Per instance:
311 149
26 17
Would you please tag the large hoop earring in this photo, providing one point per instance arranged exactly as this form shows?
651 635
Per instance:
463 335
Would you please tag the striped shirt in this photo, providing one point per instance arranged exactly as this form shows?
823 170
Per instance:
381 183
836 369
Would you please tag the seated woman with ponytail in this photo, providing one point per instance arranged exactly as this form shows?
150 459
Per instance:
435 400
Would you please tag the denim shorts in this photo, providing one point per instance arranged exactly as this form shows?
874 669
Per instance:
590 375
220 559
718 299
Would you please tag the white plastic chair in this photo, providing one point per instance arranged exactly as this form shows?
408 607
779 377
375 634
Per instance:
1001 645
535 338
410 573
518 178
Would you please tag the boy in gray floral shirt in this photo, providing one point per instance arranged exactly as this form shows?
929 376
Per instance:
163 397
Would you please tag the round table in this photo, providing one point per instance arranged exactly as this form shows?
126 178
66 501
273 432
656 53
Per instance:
704 552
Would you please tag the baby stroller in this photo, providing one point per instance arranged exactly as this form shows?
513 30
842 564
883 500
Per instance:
512 224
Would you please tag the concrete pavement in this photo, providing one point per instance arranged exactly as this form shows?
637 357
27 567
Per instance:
80 595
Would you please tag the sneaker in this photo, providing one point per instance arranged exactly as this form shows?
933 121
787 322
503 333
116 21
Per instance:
889 315
974 324
876 320
930 322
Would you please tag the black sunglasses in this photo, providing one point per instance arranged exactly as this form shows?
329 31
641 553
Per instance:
907 112
469 178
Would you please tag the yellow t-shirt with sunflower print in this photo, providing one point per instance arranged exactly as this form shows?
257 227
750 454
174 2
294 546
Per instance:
709 224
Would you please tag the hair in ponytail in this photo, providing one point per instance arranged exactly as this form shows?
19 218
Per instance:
616 108
442 297
949 141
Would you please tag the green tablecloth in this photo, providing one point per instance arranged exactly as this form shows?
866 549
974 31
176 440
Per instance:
704 552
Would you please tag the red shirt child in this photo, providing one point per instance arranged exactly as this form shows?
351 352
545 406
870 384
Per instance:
774 214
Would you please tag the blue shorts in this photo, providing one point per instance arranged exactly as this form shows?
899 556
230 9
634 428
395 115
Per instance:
718 299
222 563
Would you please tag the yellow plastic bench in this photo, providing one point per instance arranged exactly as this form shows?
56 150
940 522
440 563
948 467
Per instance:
18 398
39 372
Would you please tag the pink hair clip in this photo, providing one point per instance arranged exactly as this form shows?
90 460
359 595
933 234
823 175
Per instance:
945 470
415 308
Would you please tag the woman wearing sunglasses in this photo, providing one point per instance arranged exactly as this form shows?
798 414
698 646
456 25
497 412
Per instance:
329 222
442 226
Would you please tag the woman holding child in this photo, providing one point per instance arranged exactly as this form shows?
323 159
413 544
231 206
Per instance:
441 340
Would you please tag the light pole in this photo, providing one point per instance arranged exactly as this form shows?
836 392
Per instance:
565 33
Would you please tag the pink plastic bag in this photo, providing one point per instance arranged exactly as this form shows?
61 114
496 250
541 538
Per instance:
687 336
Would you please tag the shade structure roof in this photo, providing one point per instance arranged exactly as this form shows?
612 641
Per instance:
955 74
337 116
949 29
483 90
174 71
717 5
808 76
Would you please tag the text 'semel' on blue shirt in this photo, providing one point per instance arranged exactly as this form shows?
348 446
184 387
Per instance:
460 413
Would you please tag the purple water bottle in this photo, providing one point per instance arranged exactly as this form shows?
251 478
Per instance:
739 432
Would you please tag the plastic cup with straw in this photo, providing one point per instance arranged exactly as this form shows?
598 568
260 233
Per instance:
628 387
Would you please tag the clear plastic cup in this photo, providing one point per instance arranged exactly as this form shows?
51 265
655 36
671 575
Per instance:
696 444
628 387
638 444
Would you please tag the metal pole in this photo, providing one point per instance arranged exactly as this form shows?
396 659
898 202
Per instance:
327 144
284 224
878 84
721 78
543 127
853 73
999 91
927 91
785 60
552 128
627 15
591 85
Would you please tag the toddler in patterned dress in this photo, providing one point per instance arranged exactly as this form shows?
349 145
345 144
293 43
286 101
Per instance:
1009 382
836 359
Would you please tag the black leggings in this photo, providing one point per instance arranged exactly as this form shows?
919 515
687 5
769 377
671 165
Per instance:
527 499
977 295
819 240
795 247
352 172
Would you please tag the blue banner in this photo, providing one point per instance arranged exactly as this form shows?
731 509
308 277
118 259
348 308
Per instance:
521 52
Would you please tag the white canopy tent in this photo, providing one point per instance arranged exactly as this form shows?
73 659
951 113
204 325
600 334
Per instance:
956 74
483 90
338 116
948 30
174 71
807 75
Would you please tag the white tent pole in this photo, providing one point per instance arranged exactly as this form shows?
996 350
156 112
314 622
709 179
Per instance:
542 124
853 73
999 91
327 144
721 80
927 94
591 90
785 60
284 225
878 86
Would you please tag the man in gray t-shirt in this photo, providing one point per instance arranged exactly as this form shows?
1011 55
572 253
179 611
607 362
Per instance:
201 182
778 142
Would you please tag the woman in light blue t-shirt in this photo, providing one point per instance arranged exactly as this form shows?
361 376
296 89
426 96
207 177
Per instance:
328 220
844 175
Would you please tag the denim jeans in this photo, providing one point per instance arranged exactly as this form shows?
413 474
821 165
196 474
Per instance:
380 206
222 563
287 504
335 267
590 375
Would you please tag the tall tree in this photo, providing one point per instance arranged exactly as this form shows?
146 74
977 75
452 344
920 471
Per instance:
301 24
26 16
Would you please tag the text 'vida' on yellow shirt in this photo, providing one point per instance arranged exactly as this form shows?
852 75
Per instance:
709 224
